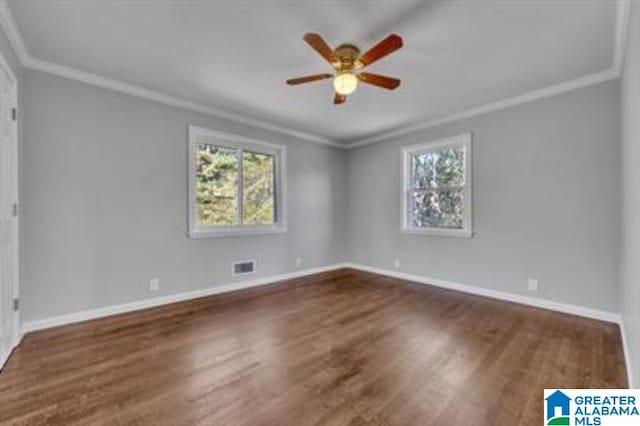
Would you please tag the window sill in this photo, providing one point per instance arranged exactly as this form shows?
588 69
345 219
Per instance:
235 232
434 232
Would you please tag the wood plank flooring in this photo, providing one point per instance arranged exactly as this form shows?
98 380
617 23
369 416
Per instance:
340 348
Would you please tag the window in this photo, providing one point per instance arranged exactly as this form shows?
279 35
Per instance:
235 185
437 187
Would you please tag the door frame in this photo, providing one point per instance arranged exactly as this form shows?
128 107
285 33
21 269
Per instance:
15 228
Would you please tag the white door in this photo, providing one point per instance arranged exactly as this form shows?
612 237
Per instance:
9 319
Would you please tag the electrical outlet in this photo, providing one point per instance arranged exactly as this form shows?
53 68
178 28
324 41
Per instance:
396 263
298 262
154 284
533 284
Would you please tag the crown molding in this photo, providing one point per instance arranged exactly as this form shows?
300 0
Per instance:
8 24
10 28
620 44
504 103
163 98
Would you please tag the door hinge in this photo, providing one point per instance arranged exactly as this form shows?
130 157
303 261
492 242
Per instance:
16 304
14 114
14 211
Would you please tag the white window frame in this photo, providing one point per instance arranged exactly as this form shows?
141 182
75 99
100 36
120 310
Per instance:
463 140
200 135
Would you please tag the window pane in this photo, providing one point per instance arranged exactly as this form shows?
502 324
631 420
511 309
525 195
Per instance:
258 192
438 168
437 209
216 185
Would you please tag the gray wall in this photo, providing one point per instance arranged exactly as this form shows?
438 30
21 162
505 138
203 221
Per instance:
630 291
546 202
9 55
104 205
104 202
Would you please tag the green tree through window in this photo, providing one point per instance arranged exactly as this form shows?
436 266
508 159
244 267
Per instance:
437 181
218 189
437 187
258 188
217 185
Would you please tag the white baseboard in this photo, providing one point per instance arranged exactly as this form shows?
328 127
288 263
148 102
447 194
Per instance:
627 354
516 298
480 291
495 294
164 300
4 357
158 301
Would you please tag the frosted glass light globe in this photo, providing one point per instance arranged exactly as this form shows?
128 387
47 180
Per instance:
345 84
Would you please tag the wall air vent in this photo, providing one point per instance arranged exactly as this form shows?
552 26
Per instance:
243 267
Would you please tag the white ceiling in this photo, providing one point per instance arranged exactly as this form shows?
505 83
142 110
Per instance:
235 55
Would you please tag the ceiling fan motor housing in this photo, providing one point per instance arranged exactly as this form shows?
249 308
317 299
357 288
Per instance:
348 54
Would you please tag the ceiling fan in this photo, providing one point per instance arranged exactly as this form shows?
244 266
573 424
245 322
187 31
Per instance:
348 63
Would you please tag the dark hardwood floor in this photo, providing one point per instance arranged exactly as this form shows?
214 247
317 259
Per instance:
340 348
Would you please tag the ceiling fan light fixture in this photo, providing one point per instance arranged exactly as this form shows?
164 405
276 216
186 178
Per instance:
345 83
347 63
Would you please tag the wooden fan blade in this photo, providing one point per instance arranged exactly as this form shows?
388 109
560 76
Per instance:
339 99
308 79
379 80
382 49
321 46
